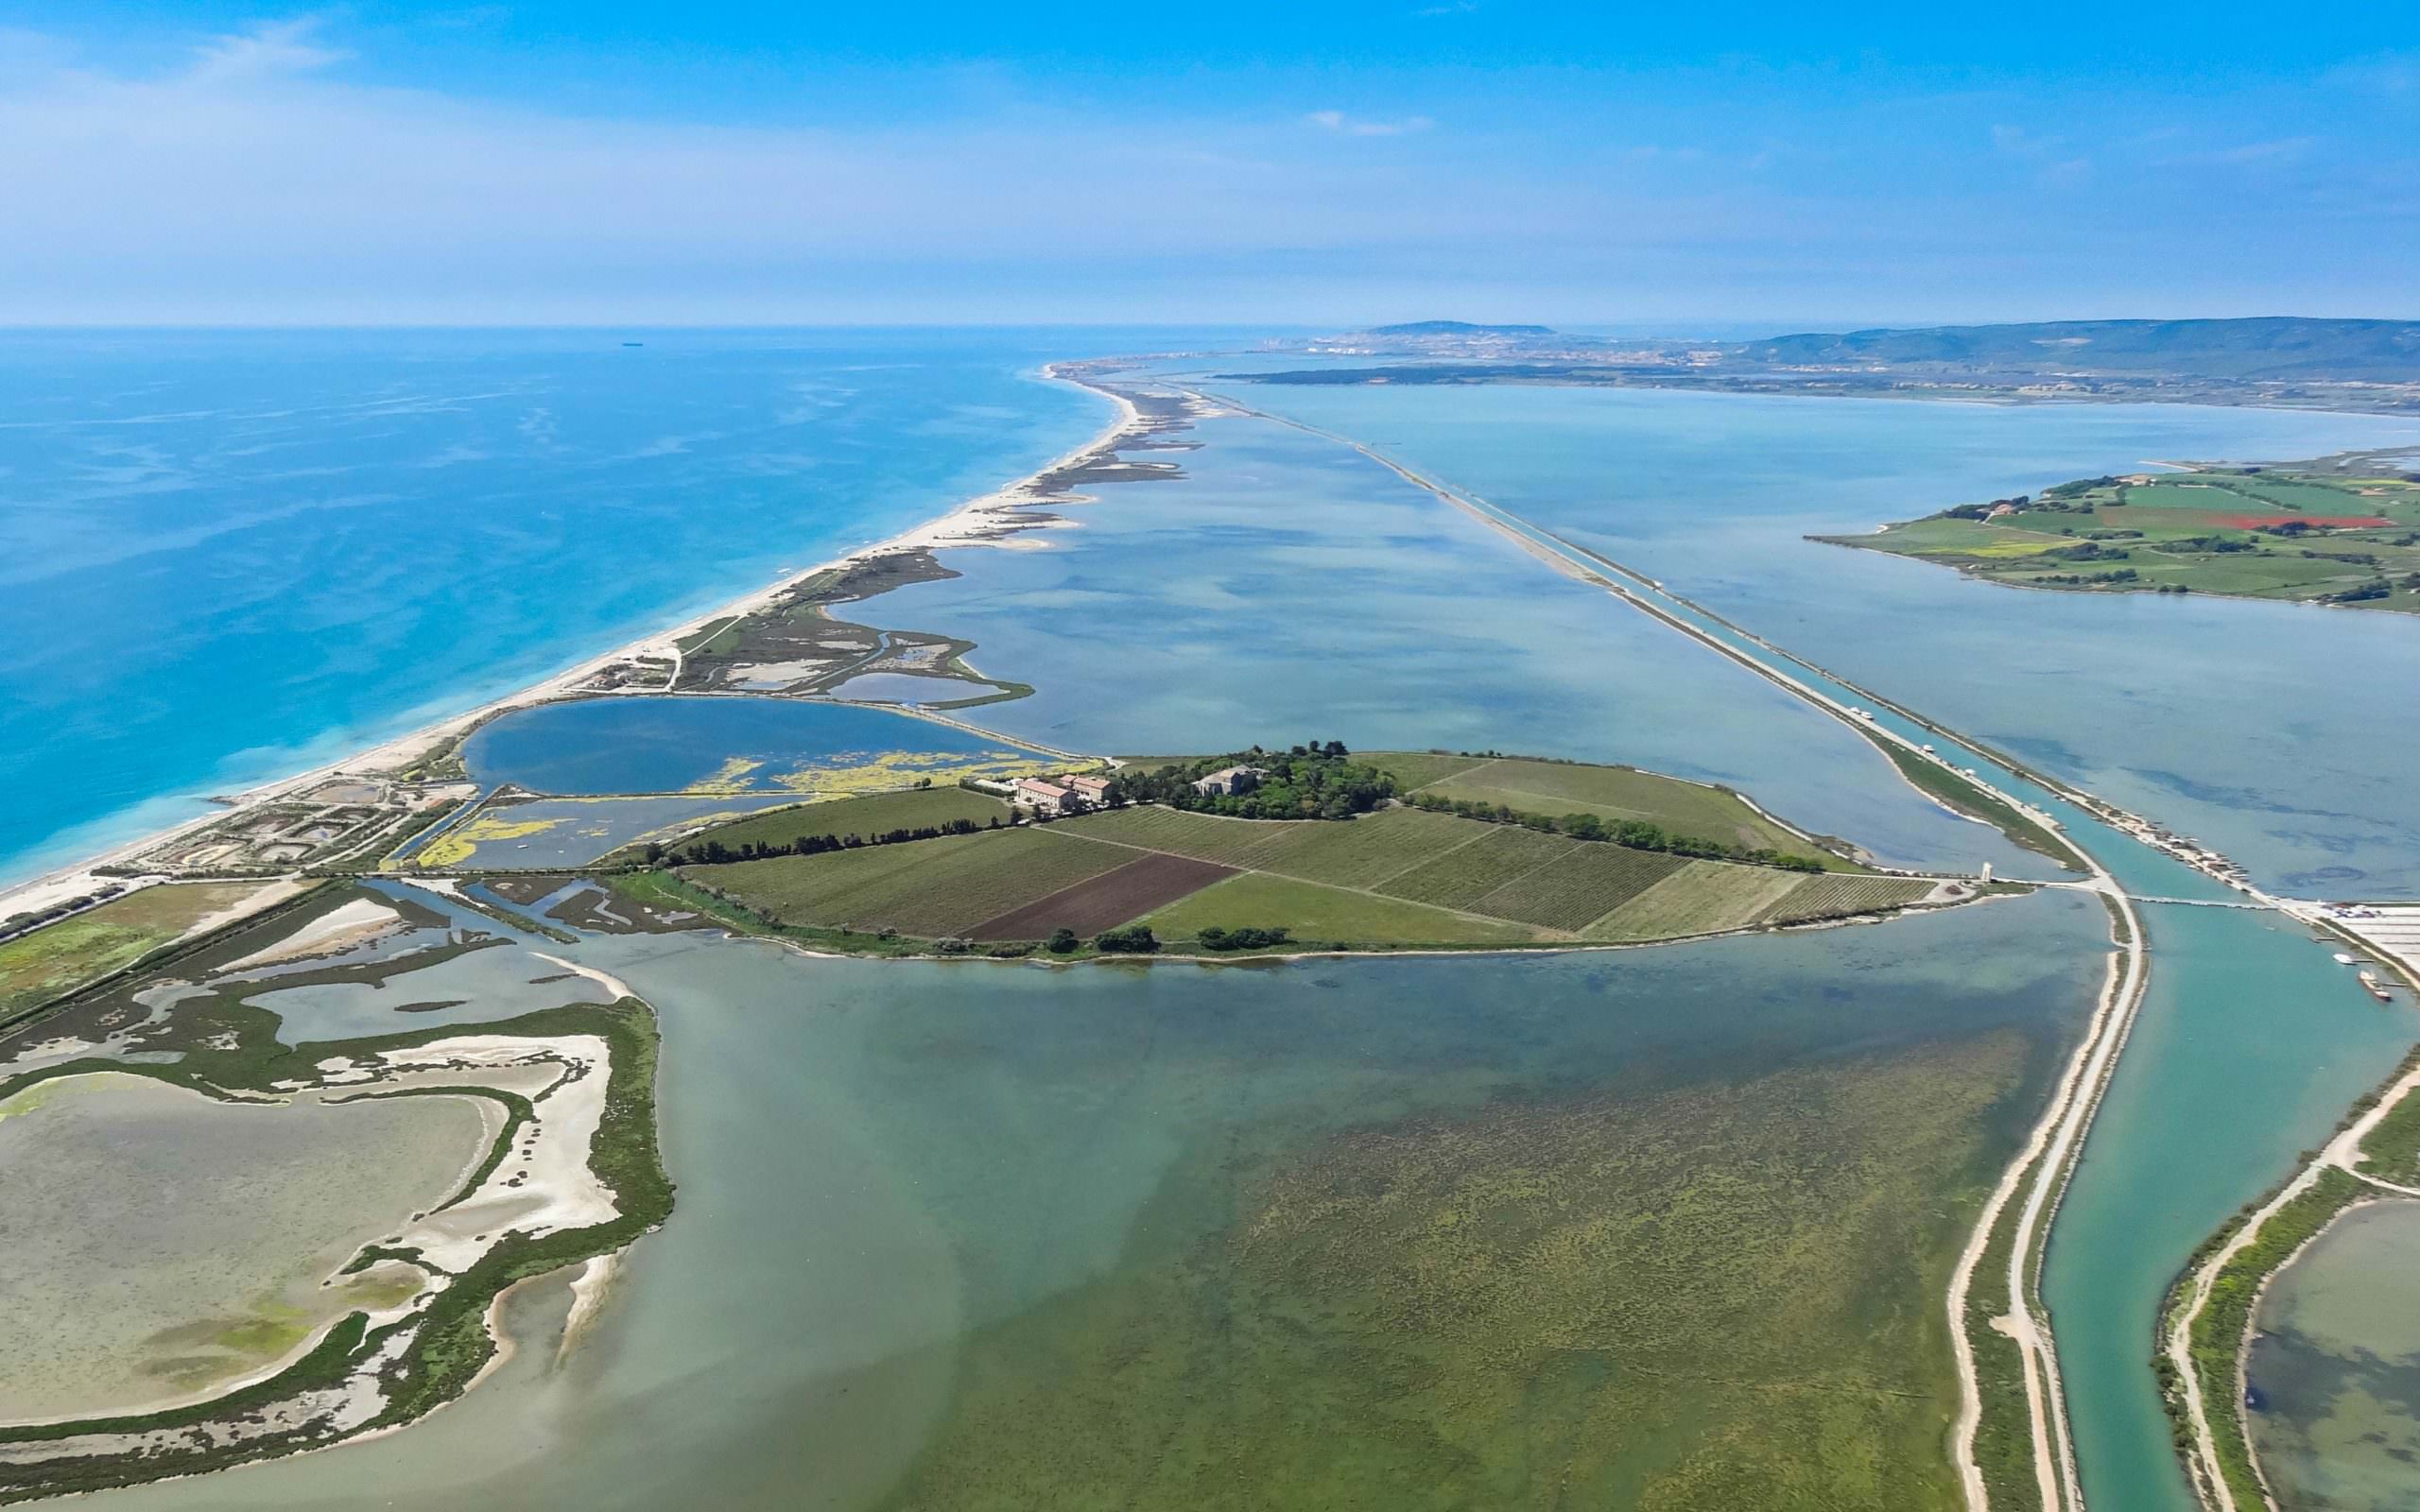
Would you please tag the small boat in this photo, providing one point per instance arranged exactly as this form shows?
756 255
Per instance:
2377 989
2343 959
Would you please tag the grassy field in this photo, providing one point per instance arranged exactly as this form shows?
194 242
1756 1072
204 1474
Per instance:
2392 1151
1835 897
1557 788
1418 769
1317 915
2309 533
1202 836
1402 875
1364 853
1489 858
1579 886
873 814
50 961
1702 897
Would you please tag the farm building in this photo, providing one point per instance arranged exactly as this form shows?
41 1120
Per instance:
1044 797
1091 789
1230 780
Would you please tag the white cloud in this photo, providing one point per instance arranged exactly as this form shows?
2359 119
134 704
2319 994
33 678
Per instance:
268 50
1356 125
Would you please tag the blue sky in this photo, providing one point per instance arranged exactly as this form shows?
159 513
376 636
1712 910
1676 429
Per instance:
1666 167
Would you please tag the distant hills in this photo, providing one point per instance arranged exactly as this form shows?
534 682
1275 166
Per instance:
2292 360
1457 328
2271 347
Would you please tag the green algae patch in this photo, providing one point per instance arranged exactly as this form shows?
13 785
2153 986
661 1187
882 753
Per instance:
1722 1296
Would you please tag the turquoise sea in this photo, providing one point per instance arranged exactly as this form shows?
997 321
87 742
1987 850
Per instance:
229 556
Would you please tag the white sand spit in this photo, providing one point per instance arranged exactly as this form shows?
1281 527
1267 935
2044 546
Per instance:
357 923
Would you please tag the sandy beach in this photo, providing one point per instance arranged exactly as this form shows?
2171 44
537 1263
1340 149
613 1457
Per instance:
984 521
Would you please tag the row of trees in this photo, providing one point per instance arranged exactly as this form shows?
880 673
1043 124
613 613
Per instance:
711 851
1247 939
1318 779
1636 835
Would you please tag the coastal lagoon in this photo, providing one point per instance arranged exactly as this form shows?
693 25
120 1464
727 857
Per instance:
2270 730
1287 588
2337 1365
188 1237
715 745
1465 1231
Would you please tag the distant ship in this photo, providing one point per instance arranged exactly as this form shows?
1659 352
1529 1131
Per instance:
635 343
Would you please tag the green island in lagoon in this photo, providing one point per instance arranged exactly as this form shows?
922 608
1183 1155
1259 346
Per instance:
2341 530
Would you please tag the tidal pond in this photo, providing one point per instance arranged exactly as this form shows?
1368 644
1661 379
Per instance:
157 1244
2336 1362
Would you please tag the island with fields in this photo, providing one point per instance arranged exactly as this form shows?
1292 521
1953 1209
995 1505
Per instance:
1311 849
2341 531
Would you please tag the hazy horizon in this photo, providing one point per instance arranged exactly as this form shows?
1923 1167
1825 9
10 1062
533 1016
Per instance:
193 163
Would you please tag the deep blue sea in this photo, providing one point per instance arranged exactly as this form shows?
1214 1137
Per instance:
229 556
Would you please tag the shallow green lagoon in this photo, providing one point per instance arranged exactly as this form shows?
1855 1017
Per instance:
2336 1364
1465 1231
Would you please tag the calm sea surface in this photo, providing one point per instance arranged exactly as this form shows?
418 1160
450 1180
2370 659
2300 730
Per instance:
226 557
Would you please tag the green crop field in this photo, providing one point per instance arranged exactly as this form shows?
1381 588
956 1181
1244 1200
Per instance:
1361 852
1557 788
1202 836
1497 855
1418 769
40 966
929 888
1318 915
1835 897
1445 880
873 814
1580 886
1699 899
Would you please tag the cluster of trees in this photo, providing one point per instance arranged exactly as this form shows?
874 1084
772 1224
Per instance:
2375 588
1636 835
710 851
2123 575
2079 487
1215 938
1977 511
1134 939
2088 551
2222 545
1318 779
